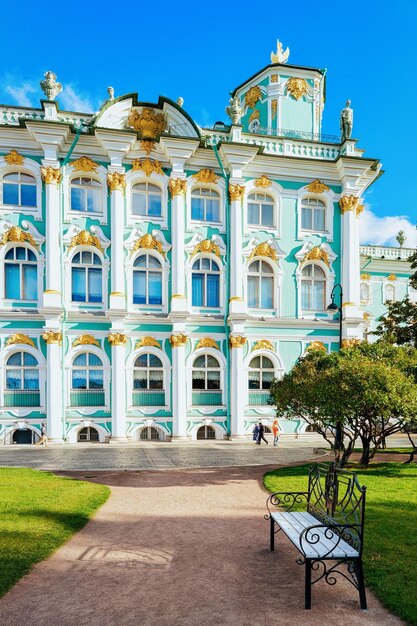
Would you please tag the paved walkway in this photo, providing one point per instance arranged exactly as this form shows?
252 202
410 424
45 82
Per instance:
180 548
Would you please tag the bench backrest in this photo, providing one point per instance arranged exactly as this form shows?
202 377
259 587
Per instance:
335 497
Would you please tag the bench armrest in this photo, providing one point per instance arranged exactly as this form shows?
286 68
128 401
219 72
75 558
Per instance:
334 533
285 500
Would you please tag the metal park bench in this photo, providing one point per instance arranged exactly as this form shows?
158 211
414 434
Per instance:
331 529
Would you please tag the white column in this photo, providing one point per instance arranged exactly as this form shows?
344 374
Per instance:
54 414
177 187
237 385
117 184
52 295
350 208
118 387
236 193
179 395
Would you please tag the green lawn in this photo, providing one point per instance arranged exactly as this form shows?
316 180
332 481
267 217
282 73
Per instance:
38 512
390 537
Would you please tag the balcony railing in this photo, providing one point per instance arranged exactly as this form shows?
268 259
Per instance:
385 252
297 134
148 397
207 397
258 398
87 397
22 398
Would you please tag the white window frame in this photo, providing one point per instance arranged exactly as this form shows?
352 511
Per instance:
275 192
149 410
276 288
278 373
189 271
69 360
329 198
189 373
367 285
134 177
100 175
220 189
40 261
329 282
37 354
28 167
389 283
157 308
105 266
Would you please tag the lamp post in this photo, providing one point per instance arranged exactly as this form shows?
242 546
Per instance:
333 307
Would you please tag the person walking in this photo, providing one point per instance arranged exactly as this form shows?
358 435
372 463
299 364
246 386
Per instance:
261 434
275 432
43 441
255 433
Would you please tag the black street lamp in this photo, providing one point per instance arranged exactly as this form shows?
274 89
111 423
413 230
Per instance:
333 308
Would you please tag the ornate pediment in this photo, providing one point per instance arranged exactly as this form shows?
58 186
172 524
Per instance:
75 236
206 176
317 187
147 341
147 166
263 344
207 342
147 122
84 164
86 340
14 158
198 245
20 338
269 249
154 240
309 252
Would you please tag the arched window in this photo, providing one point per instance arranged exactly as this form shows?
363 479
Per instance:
260 285
86 195
87 380
261 373
260 209
389 293
86 277
88 434
22 380
313 214
147 280
364 292
313 288
146 200
206 381
149 433
20 274
19 189
205 283
206 432
205 205
148 381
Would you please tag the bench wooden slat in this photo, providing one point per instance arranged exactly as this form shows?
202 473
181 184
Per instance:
292 524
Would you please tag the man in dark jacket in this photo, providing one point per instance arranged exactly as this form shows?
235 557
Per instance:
261 434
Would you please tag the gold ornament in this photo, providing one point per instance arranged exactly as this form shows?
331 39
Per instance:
296 87
317 187
16 235
178 341
51 175
348 203
317 254
365 276
252 96
84 164
264 249
14 158
50 336
316 345
263 181
116 181
359 209
147 341
274 108
117 339
208 247
274 78
392 277
237 341
254 115
20 338
147 145
177 186
350 343
148 123
86 340
236 192
206 176
85 238
148 242
207 342
366 316
147 166
263 344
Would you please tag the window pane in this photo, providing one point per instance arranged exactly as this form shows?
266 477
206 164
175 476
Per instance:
213 380
93 201
140 379
267 378
306 218
20 253
199 380
197 210
319 219
77 197
139 287
28 359
155 379
81 359
213 290
31 379
94 285
79 379
211 361
154 205
93 359
318 303
28 195
306 295
96 379
140 261
254 379
267 215
253 291
154 361
138 204
253 213
200 361
197 289
30 282
10 194
267 363
13 379
212 210
79 284
153 262
12 279
155 287
267 293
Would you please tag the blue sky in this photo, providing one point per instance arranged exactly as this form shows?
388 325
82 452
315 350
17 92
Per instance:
201 51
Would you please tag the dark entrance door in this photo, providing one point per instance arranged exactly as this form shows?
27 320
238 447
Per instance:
22 436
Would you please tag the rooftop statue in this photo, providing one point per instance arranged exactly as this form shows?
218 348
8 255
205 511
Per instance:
234 110
110 91
49 86
180 101
346 121
280 56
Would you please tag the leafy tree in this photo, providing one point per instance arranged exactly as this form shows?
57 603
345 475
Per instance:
399 324
413 261
370 389
401 238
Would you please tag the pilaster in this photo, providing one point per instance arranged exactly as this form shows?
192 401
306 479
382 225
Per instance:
236 194
179 403
54 413
118 389
237 385
51 176
351 209
177 188
116 181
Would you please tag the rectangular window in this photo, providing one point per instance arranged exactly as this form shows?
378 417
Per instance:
30 282
306 219
12 278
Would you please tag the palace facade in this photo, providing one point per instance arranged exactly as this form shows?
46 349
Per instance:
156 276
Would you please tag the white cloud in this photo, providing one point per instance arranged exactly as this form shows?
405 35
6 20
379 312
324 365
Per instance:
381 231
21 94
71 101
